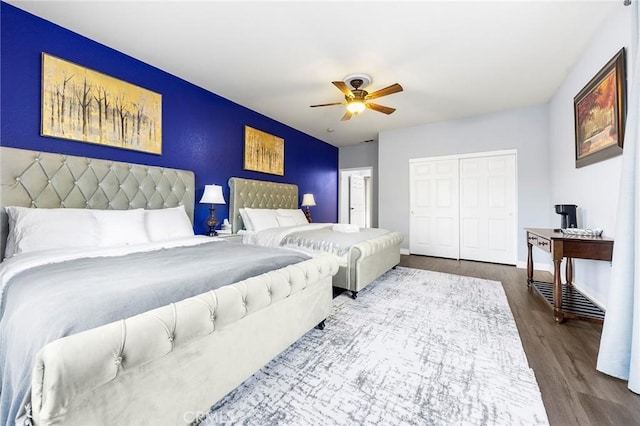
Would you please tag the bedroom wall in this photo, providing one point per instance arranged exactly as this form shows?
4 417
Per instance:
523 129
363 155
593 188
202 132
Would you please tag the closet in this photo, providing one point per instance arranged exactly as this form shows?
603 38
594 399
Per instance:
464 207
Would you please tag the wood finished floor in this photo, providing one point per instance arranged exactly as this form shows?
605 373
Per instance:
563 357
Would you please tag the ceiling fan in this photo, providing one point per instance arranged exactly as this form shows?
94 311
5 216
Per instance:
356 99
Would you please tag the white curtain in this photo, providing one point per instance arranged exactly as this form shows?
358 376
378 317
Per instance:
619 354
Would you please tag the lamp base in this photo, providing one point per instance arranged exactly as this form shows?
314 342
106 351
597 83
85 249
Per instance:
212 222
307 214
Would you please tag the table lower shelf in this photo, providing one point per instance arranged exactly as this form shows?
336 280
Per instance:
574 303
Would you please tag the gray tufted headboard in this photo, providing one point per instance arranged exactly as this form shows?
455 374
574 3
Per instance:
47 180
259 194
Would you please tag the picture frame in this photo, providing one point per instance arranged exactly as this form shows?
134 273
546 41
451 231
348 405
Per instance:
263 152
84 105
600 113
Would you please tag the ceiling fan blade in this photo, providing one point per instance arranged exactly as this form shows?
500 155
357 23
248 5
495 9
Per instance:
394 88
347 116
342 86
380 108
321 105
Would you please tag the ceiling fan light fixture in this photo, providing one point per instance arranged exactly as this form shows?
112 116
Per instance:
355 107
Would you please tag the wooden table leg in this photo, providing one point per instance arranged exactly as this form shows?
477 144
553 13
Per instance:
569 272
557 292
529 265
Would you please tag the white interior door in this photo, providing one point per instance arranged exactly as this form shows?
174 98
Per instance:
487 209
433 220
357 213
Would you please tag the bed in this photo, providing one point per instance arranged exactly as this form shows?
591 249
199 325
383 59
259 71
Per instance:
363 256
160 357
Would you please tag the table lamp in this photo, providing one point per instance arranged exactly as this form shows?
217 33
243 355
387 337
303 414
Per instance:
308 200
212 195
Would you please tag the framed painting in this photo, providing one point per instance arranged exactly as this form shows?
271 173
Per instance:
263 152
600 111
87 106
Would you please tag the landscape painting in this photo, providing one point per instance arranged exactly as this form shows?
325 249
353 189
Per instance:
87 106
600 114
263 152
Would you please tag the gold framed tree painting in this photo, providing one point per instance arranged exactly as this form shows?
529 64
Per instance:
600 110
87 106
263 152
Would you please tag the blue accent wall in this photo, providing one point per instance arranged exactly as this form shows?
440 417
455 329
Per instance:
202 131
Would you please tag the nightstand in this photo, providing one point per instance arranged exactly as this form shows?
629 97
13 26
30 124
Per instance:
228 236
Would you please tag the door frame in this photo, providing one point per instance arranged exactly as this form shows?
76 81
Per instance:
513 152
343 193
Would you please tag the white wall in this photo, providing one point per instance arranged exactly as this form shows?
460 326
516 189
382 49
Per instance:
363 155
593 188
523 129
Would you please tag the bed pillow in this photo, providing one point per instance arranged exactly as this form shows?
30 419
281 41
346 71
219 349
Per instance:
296 214
167 224
246 220
33 229
121 227
286 221
262 218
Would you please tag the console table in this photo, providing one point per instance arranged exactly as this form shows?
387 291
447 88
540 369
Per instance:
566 300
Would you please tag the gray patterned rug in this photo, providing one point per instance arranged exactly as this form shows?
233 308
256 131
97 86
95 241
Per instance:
415 348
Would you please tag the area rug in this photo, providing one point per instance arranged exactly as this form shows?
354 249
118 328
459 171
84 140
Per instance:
415 348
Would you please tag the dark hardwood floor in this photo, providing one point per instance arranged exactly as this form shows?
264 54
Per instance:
563 357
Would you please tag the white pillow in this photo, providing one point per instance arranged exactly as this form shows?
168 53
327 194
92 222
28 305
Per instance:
296 214
246 220
262 218
121 227
33 229
167 224
286 221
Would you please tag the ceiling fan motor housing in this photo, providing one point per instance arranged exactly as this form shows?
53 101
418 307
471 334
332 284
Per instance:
363 80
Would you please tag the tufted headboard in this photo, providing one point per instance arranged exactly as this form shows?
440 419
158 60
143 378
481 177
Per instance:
259 194
47 180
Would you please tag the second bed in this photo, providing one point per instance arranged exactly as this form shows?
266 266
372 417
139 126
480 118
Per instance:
363 255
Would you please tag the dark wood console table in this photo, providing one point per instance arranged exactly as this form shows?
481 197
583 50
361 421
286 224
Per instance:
566 300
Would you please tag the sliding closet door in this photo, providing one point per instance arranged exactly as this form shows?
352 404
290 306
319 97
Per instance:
433 219
464 207
487 209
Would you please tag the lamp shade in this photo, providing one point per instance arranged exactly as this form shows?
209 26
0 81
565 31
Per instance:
212 195
308 200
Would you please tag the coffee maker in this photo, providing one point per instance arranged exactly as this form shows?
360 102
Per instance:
568 213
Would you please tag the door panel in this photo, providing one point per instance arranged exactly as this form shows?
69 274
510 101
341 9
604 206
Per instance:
490 181
357 213
433 223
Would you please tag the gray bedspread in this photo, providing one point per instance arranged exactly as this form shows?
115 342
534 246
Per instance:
48 302
329 241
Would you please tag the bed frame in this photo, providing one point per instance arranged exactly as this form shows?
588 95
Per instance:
366 261
169 365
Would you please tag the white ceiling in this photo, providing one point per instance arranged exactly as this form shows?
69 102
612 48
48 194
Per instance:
453 58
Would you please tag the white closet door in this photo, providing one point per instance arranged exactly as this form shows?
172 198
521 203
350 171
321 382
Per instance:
487 209
356 201
433 223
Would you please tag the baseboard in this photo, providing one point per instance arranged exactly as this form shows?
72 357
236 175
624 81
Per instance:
404 251
547 267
